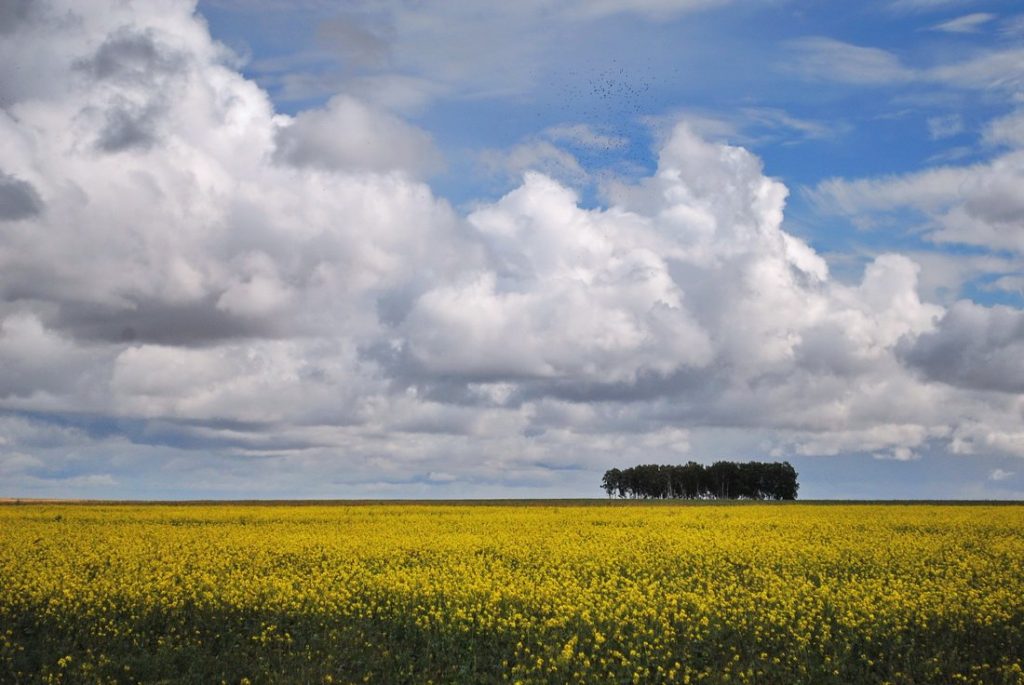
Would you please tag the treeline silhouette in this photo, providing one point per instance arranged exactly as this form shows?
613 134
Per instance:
721 480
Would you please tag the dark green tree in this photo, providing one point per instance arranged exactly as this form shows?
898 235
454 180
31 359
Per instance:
721 480
612 482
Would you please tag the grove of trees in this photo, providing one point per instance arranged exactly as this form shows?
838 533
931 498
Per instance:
721 480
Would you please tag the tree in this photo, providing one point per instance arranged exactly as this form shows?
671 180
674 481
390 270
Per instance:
721 480
611 481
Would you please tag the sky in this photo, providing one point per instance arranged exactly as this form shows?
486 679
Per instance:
311 249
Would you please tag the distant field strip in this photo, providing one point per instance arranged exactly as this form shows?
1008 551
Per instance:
572 593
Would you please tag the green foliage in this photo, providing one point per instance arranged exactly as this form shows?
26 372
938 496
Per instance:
722 480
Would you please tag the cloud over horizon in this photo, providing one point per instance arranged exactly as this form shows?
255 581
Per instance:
187 271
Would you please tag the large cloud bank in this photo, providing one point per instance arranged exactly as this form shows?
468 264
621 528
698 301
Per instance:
191 270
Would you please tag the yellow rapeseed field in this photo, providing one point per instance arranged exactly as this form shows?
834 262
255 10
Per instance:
576 593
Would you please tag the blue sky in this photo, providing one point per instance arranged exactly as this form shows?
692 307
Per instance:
252 248
755 74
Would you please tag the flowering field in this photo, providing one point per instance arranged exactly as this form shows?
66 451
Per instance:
613 593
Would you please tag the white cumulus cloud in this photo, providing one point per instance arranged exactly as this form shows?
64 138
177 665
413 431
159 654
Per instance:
181 261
